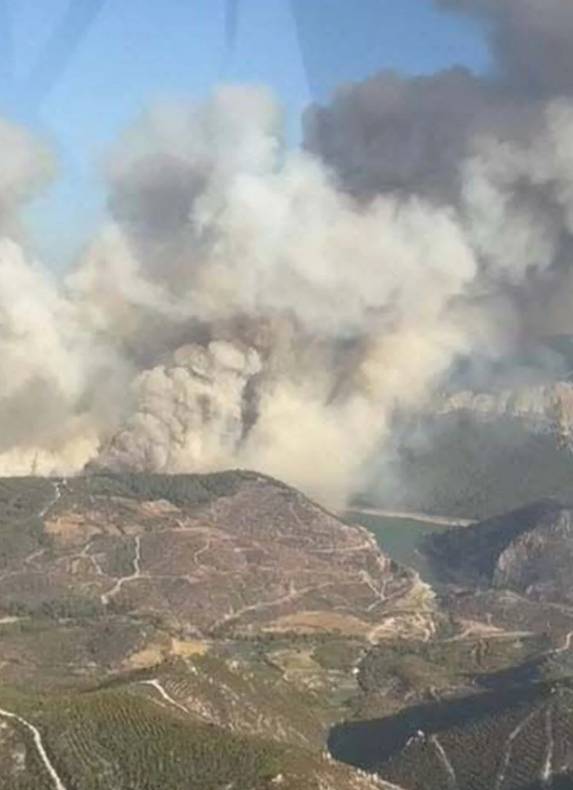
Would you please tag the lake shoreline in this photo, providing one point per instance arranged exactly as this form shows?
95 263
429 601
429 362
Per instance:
400 537
424 518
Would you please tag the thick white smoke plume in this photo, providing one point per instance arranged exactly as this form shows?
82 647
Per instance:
304 318
253 306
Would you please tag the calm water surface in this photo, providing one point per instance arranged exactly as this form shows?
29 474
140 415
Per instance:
400 538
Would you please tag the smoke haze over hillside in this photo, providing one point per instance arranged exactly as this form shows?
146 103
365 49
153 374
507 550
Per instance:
248 305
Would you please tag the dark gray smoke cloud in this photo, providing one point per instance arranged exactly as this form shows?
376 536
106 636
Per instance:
496 148
397 134
531 42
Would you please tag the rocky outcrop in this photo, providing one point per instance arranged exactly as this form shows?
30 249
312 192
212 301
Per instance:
539 562
528 551
540 408
475 455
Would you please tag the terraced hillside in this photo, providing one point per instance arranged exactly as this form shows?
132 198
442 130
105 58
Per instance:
209 631
519 739
158 632
166 549
510 612
139 737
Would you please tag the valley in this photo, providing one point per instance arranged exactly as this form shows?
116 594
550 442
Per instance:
402 537
500 687
226 629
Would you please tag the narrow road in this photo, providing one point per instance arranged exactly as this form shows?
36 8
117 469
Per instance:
448 767
292 595
106 597
547 770
428 518
58 484
58 784
500 778
167 697
565 646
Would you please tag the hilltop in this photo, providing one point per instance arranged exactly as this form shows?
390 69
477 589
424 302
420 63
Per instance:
156 630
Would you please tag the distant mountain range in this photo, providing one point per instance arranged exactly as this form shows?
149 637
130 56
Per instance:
475 454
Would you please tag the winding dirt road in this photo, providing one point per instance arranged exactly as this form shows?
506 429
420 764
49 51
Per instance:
57 782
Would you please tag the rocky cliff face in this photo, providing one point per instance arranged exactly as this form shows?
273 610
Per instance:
539 562
474 455
528 551
540 408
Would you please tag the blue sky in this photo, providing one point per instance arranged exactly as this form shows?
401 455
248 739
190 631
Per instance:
79 86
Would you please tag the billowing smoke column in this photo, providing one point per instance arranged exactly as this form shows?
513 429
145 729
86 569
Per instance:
253 306
278 323
497 149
